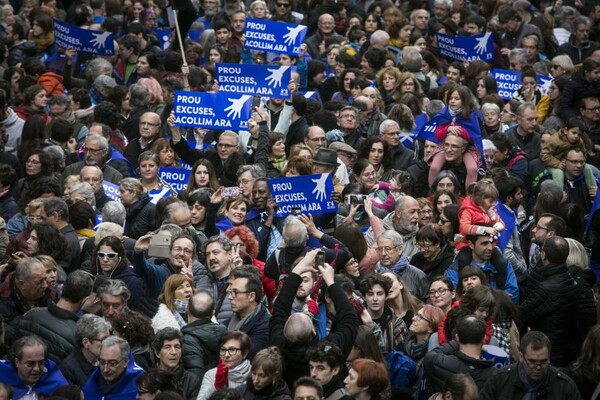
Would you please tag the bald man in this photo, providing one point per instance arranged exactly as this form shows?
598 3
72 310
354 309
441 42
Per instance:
149 129
325 29
294 333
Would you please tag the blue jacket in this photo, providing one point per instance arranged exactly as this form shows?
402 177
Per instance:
511 287
50 380
124 390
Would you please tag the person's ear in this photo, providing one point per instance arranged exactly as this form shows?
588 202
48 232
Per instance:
335 370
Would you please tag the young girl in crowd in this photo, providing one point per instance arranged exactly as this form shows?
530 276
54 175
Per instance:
457 119
555 148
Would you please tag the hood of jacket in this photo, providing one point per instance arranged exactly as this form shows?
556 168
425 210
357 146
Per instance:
123 390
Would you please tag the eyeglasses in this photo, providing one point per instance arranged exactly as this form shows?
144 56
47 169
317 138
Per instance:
426 212
177 250
109 363
144 123
532 364
386 250
283 5
232 351
419 317
576 162
369 174
34 218
236 293
439 292
592 109
538 227
33 162
110 256
425 245
245 181
450 146
89 150
31 364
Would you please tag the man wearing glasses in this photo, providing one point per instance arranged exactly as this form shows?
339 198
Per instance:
28 372
532 370
149 126
547 225
95 152
577 187
116 373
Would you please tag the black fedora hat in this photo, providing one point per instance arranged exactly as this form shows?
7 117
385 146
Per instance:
327 157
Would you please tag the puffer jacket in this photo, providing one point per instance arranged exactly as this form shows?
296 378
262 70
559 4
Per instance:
277 391
437 266
210 283
140 217
551 306
444 361
200 346
505 384
53 324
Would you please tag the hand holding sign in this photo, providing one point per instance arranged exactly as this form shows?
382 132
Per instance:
235 109
482 43
320 187
99 40
276 74
290 37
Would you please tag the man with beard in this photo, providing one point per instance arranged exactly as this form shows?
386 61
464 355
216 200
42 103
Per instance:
482 247
547 225
95 151
181 259
219 260
404 220
392 257
510 191
303 302
262 221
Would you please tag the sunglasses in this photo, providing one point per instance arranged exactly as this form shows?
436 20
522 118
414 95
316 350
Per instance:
110 256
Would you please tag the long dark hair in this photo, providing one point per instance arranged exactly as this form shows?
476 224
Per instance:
350 234
51 242
47 165
365 149
117 246
213 183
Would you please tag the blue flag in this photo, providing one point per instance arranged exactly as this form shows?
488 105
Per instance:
163 37
222 111
176 177
112 190
595 208
310 193
466 48
510 223
274 37
260 80
83 40
444 117
508 82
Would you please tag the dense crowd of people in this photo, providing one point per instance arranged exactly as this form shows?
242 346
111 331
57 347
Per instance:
461 262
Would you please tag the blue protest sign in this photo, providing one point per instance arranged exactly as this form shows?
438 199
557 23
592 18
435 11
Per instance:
508 82
311 193
544 82
112 190
176 177
212 110
275 37
466 48
163 37
156 195
260 80
83 40
311 94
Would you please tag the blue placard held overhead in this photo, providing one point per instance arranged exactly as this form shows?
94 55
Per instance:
508 82
176 177
466 48
112 190
83 40
260 80
311 193
275 37
212 110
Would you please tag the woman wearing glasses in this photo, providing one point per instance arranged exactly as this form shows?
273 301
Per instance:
233 368
441 293
435 255
424 323
36 163
109 260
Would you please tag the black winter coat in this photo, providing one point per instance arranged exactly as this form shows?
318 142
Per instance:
278 391
188 383
585 279
140 217
76 368
505 384
584 379
200 350
437 266
551 306
442 362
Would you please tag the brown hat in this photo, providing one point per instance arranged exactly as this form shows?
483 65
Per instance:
326 156
342 147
